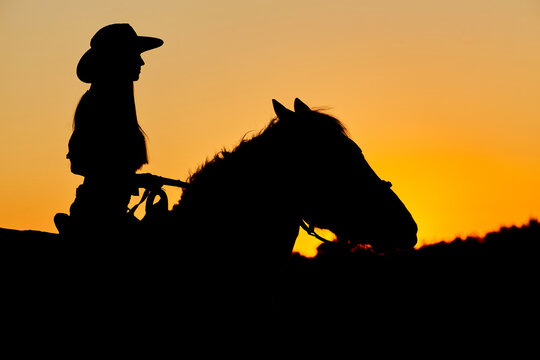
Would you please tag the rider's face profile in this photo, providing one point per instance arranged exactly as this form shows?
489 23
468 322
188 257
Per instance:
134 67
123 66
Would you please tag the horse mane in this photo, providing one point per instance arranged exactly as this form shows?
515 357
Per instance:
307 124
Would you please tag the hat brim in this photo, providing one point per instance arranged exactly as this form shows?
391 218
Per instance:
145 43
85 66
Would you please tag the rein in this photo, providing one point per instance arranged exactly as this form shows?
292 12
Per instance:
152 185
310 229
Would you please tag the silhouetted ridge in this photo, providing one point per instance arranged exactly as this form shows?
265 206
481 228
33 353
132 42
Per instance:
514 240
26 235
481 279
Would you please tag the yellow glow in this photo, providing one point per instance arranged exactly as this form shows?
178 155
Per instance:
442 96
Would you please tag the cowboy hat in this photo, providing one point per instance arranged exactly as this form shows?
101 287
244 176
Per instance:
110 40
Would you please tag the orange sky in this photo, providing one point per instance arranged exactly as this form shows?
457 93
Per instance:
442 96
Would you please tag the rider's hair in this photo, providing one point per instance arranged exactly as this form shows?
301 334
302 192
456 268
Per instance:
106 134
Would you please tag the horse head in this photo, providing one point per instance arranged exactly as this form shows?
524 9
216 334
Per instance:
337 189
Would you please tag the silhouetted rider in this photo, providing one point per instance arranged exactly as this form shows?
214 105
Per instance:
107 146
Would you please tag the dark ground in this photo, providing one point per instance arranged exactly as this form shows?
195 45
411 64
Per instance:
472 284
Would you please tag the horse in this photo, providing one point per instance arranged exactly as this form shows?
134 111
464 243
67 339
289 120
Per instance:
221 252
243 210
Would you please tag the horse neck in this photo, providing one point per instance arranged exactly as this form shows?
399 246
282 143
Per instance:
245 190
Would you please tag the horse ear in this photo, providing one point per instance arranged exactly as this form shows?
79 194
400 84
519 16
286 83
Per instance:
299 106
281 111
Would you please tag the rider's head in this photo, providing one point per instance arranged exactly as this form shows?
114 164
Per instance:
115 55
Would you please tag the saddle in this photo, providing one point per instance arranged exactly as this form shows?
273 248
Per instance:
154 211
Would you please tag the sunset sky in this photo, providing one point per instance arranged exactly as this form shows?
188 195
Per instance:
442 96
